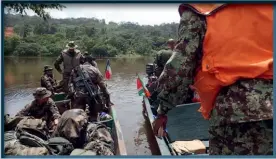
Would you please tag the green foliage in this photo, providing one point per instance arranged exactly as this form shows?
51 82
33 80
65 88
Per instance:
39 9
49 38
30 49
10 43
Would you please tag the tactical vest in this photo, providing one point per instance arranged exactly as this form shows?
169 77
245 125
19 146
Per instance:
79 80
237 44
70 62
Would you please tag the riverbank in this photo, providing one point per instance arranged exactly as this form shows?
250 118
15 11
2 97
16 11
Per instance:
118 56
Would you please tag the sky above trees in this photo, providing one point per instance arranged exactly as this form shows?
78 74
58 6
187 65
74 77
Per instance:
143 14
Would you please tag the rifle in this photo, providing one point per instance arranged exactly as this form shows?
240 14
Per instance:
86 84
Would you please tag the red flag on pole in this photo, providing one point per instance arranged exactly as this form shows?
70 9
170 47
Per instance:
108 72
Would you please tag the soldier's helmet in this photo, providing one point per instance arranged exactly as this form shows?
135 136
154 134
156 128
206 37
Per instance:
86 53
71 45
41 93
47 68
89 59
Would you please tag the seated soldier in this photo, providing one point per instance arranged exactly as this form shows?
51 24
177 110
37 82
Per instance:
48 81
42 107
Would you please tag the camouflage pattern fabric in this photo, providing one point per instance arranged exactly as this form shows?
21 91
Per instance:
161 59
60 59
48 82
99 140
180 69
46 111
35 124
80 92
246 102
94 63
251 138
15 148
10 123
71 126
65 75
60 146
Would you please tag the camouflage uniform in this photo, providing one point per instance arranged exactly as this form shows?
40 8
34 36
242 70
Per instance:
161 59
48 82
81 96
46 111
241 122
15 148
69 60
92 61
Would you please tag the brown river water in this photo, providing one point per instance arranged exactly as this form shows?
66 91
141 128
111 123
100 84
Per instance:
22 76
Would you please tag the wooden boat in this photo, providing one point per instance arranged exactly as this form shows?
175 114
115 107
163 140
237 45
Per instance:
184 124
116 132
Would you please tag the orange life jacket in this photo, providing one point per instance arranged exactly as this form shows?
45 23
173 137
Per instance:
237 44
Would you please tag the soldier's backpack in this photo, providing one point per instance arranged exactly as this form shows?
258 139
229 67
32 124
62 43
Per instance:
29 123
55 146
99 139
60 146
23 143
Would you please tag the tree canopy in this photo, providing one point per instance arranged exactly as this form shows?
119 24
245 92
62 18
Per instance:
35 37
38 8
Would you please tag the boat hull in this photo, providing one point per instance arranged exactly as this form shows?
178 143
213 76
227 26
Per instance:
185 123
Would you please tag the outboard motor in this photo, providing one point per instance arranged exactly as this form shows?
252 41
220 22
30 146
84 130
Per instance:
150 69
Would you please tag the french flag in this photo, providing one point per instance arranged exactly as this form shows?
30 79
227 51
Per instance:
108 72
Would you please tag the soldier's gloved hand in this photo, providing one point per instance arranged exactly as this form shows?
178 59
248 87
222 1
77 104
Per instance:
159 125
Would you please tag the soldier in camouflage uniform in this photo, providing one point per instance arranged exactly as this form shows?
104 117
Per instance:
241 121
70 58
43 107
160 61
162 57
93 62
48 81
80 92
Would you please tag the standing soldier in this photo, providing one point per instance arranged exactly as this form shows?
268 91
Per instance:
80 90
70 58
226 52
48 81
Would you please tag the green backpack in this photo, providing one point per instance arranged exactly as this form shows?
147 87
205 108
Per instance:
60 146
55 146
33 124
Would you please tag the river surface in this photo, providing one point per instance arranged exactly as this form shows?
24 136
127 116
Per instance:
22 76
